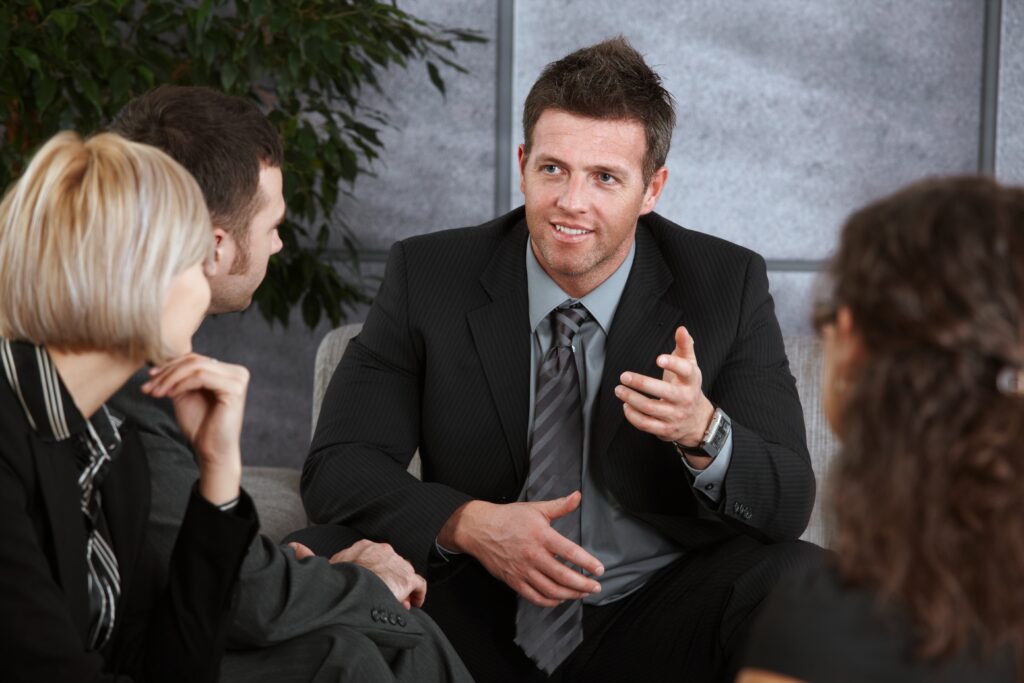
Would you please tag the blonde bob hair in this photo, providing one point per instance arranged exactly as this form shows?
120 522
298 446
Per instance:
91 236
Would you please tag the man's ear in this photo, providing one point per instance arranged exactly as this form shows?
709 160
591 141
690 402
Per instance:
653 190
224 248
522 168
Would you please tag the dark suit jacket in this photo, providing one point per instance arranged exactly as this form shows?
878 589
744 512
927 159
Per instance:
171 619
443 364
279 597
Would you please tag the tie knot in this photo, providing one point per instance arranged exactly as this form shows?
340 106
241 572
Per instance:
566 322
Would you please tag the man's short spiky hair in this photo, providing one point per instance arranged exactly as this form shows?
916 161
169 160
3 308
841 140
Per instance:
222 140
609 80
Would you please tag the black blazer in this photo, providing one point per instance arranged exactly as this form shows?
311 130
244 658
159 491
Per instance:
443 362
171 620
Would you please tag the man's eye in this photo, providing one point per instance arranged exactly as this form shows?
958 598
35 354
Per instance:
606 178
550 169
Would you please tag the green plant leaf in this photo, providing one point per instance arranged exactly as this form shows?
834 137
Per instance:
202 15
435 77
308 64
29 58
147 74
120 82
228 74
66 19
46 88
92 93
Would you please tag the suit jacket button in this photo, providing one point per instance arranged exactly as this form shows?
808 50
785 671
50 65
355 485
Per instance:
401 621
392 618
374 614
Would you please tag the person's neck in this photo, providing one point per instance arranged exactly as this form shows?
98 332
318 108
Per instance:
92 377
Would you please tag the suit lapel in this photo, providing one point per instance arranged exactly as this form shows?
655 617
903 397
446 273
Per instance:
643 327
501 334
58 481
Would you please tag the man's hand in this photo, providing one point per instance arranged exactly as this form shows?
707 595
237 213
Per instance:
515 543
673 408
408 587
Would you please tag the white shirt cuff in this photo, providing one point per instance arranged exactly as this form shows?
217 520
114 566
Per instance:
710 479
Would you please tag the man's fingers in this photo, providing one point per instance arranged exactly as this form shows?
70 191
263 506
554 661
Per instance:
649 406
559 507
648 424
570 583
678 370
657 388
419 592
301 551
528 592
554 589
684 345
559 545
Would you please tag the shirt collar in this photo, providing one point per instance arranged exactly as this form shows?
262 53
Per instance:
48 406
545 294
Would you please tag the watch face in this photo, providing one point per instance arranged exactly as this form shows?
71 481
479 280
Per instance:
717 440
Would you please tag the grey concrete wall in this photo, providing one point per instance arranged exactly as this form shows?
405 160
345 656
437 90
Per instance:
439 165
1010 140
792 114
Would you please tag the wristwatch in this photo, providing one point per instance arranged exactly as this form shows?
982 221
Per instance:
714 438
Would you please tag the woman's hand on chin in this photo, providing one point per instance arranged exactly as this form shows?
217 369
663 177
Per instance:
209 401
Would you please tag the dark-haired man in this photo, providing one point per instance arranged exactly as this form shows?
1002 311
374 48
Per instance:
296 620
614 459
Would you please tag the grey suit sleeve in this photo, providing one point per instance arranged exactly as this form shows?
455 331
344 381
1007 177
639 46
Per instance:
278 597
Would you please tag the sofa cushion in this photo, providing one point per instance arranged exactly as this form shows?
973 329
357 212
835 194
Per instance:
275 491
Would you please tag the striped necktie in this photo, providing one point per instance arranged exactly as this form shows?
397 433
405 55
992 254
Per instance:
549 634
104 576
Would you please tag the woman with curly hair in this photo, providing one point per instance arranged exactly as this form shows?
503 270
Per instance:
924 386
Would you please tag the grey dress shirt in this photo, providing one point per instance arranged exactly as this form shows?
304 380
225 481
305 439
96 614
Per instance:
630 550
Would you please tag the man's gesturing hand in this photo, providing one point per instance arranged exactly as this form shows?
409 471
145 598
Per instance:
673 408
516 543
408 587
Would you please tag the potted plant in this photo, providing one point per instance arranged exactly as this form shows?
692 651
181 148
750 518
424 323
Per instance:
73 65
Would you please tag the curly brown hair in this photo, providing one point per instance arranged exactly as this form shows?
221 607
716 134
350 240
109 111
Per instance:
927 494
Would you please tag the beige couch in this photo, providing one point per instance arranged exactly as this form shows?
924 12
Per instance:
276 490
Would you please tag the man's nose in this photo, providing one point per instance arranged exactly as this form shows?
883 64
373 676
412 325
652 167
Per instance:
573 196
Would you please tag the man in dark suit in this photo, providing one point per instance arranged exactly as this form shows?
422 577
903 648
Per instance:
614 459
298 618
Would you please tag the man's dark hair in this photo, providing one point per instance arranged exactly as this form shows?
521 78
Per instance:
220 139
609 80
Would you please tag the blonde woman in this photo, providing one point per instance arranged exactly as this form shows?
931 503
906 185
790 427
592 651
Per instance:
102 243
